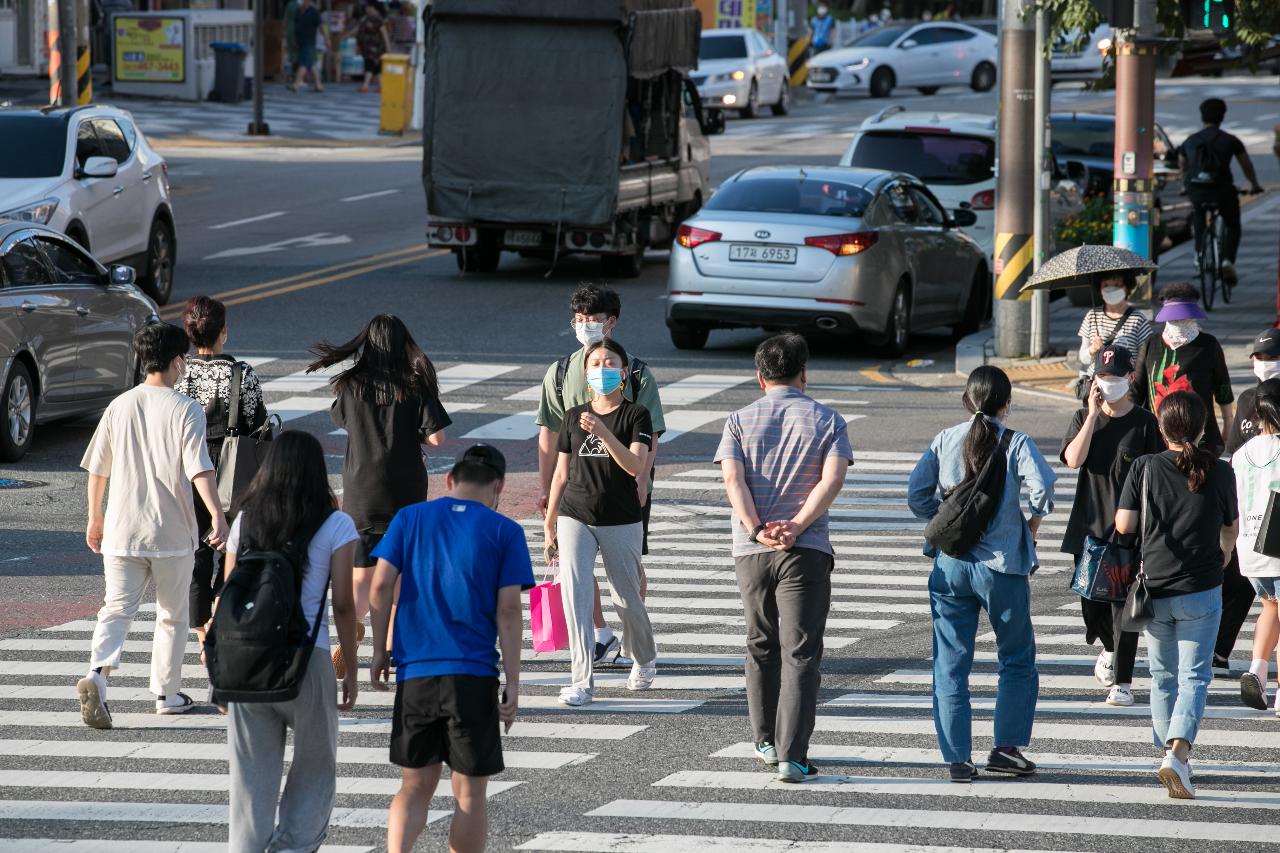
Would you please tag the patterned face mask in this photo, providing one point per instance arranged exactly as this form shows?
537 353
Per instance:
1179 332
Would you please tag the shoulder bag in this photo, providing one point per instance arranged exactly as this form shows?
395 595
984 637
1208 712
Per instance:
967 511
1268 541
1139 609
1106 567
241 452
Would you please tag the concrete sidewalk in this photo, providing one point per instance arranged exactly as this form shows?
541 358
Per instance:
1252 309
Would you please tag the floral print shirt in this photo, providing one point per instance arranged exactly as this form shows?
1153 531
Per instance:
208 381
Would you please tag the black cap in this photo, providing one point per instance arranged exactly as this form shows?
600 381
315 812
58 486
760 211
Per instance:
485 454
1267 343
1113 361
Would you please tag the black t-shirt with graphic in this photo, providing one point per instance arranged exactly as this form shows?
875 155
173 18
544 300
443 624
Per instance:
599 491
1116 443
1199 366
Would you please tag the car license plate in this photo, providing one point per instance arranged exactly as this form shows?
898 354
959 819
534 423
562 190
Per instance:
766 254
522 238
822 75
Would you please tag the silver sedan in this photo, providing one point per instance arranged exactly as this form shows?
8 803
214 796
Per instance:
864 252
66 332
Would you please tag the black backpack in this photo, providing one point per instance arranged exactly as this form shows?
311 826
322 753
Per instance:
637 370
259 642
967 510
1204 163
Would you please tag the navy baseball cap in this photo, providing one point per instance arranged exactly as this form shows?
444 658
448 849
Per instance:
1113 361
487 455
1267 343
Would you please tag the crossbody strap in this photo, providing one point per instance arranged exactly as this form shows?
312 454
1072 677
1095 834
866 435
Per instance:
1115 332
233 416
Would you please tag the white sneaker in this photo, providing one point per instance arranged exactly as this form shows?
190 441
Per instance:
175 703
642 677
1176 776
575 697
92 690
1104 669
1120 696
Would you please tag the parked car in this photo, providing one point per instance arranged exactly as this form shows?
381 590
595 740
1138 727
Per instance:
863 252
739 69
954 154
1086 63
89 173
926 56
66 331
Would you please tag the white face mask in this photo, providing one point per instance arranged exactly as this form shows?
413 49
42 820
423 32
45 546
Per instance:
1265 370
589 332
1113 295
1112 387
1180 332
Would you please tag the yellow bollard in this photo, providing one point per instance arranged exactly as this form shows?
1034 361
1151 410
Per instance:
397 93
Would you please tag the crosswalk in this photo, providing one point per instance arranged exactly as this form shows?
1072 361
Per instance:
165 778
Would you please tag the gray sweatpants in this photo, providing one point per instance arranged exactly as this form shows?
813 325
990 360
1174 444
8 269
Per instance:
619 547
256 736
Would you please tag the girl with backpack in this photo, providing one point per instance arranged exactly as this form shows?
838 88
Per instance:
288 503
388 401
993 575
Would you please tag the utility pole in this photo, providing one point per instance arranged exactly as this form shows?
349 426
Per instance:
1015 179
1135 115
67 89
1042 222
258 127
780 43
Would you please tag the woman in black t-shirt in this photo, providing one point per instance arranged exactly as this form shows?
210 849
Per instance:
388 401
1182 503
595 507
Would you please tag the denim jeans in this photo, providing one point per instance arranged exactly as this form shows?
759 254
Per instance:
958 589
1180 649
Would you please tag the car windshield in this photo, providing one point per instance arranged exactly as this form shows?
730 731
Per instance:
722 47
32 146
935 158
1083 138
882 37
805 196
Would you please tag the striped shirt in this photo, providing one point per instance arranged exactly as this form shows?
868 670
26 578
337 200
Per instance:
783 440
1135 331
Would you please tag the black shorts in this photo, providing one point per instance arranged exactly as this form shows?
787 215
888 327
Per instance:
364 547
447 718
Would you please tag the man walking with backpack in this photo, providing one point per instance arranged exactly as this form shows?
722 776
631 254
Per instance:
1206 173
784 458
594 314
462 567
150 445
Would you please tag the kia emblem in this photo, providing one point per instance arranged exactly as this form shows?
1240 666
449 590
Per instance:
762 235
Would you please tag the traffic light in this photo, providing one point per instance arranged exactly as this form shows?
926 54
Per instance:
1216 15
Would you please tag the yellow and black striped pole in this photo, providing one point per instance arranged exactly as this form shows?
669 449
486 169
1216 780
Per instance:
798 60
1012 264
84 75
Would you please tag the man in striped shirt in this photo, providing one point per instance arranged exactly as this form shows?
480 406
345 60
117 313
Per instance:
784 459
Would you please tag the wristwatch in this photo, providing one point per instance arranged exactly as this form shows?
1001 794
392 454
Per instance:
755 533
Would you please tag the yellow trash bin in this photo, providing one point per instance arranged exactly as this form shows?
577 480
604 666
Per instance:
397 93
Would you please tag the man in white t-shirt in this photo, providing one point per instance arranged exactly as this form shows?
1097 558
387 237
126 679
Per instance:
150 443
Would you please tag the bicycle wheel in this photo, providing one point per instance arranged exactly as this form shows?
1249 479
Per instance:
1208 279
1216 233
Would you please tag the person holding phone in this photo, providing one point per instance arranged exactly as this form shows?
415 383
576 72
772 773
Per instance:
1104 439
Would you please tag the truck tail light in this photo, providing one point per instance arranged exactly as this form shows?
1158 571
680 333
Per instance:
985 200
843 244
691 237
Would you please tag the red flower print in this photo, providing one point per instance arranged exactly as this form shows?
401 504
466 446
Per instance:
1170 384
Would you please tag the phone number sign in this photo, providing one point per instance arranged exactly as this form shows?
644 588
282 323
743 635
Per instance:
149 49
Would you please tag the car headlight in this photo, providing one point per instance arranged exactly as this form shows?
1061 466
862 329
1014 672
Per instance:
858 64
739 75
1104 45
40 212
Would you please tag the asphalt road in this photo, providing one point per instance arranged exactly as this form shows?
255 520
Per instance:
290 242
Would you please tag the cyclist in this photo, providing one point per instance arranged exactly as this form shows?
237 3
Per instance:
1206 170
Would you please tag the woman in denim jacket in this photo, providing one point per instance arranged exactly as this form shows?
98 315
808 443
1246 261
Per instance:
993 576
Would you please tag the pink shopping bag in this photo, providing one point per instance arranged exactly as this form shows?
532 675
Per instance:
546 618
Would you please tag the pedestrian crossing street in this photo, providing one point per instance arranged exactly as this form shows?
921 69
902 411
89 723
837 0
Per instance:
160 783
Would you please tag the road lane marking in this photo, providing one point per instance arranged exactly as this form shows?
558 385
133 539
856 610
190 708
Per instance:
322 238
874 374
470 373
678 423
1137 734
364 196
201 813
635 842
103 845
233 223
692 390
517 427
919 702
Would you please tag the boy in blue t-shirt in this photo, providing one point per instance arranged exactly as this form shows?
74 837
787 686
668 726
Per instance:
462 567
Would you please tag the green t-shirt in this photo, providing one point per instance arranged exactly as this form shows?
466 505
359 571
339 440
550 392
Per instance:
576 393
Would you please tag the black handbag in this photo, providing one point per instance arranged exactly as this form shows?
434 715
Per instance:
1268 541
1139 609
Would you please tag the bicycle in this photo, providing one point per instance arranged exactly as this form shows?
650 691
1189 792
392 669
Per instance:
1209 257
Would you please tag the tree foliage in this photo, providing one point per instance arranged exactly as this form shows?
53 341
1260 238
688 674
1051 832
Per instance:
1257 21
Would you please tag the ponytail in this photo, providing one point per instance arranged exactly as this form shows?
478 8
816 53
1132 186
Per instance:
1182 418
986 394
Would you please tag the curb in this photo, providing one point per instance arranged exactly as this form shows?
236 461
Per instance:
286 142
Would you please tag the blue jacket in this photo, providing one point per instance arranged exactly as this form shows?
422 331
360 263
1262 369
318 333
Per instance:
1006 546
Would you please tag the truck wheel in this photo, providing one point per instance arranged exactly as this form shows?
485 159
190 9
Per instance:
688 336
752 109
482 257
624 266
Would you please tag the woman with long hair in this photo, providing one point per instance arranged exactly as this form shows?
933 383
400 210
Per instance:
594 508
1257 469
290 501
207 380
388 401
1182 505
993 576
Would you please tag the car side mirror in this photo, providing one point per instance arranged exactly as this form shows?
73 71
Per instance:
99 167
1076 170
713 122
908 44
963 218
121 274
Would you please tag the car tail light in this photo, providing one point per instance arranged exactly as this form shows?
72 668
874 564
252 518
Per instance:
691 237
579 239
843 244
462 233
985 200
444 234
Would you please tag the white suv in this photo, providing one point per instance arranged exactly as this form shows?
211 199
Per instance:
954 154
89 173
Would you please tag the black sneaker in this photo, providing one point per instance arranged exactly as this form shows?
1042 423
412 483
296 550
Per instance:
963 772
796 771
1010 761
611 649
1252 693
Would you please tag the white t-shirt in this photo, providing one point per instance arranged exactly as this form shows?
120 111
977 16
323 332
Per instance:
150 443
1257 468
338 530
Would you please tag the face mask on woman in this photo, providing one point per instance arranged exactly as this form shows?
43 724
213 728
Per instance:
1113 295
604 380
1265 370
1179 332
1112 387
588 332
